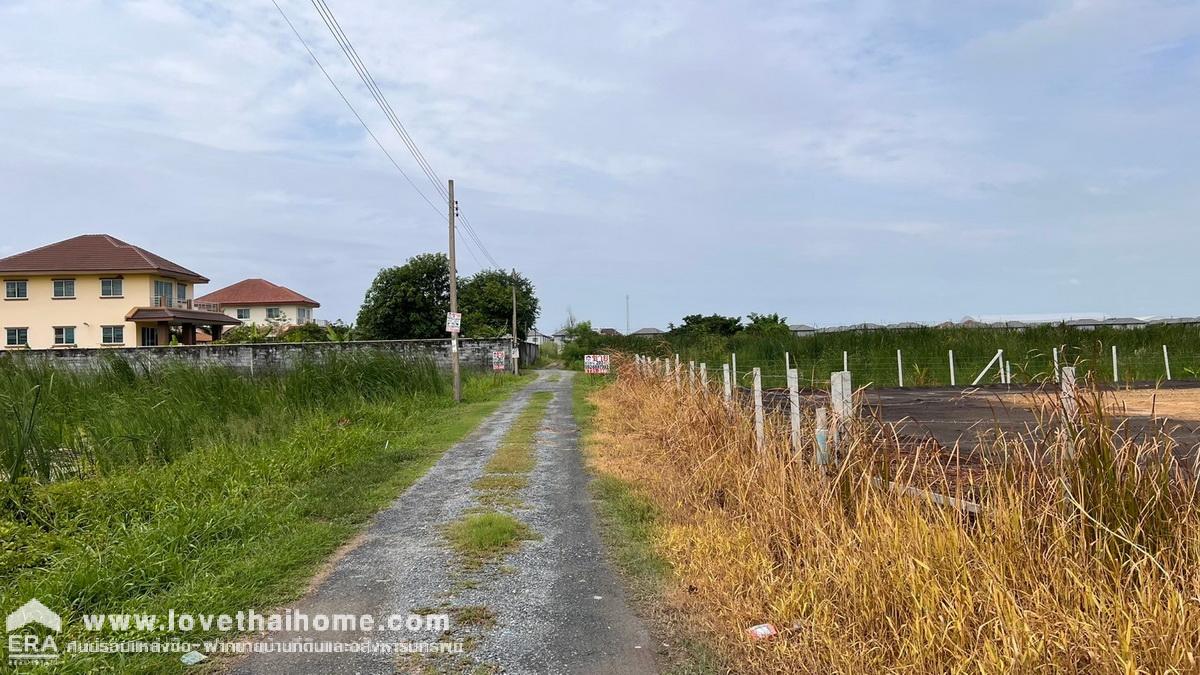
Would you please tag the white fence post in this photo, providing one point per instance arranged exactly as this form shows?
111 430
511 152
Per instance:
952 382
1167 362
787 361
900 368
841 396
733 369
1069 402
793 382
821 452
1057 374
725 382
1008 372
666 368
1115 375
704 376
759 430
692 375
846 361
678 373
998 357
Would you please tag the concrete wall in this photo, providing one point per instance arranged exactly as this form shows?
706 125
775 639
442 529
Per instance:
273 356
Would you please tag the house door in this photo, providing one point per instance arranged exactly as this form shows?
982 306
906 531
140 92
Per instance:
149 336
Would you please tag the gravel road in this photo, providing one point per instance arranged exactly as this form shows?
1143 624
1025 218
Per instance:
557 605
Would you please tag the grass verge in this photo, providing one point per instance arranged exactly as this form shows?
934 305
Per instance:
239 521
631 529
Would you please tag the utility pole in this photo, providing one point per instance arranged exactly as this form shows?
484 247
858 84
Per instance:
515 351
454 299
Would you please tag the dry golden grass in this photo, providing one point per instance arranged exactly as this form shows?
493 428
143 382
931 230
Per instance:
1084 559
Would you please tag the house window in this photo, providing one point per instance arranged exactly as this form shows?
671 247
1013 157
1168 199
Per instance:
181 293
16 290
112 288
16 337
274 313
302 315
64 288
243 314
64 335
149 336
113 335
163 291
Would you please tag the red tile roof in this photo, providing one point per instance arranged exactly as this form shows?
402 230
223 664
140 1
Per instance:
257 292
94 253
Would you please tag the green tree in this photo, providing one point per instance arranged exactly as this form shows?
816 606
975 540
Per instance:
714 324
409 301
771 325
485 299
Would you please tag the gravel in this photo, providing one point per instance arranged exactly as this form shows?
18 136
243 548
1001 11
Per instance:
557 604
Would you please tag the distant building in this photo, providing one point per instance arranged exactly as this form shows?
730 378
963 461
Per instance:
95 290
610 332
801 329
1084 324
260 302
1124 322
644 332
536 337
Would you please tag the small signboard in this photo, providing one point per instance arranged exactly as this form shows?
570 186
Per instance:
453 322
516 352
498 360
596 364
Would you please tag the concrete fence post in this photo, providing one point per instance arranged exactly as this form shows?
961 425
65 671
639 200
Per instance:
821 452
793 382
1167 363
900 368
733 370
1008 372
691 375
841 394
704 376
1069 402
787 361
952 382
1116 376
678 373
846 361
760 438
1057 374
725 382
666 368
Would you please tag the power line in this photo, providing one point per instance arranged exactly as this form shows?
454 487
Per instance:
368 80
352 109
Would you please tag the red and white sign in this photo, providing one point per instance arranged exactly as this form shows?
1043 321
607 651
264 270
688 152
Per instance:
596 364
453 322
498 360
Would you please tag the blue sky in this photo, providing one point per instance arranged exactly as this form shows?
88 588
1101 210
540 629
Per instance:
834 162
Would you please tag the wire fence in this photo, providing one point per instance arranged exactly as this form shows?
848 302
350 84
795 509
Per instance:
931 370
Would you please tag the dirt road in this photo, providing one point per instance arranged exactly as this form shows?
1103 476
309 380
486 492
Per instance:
552 606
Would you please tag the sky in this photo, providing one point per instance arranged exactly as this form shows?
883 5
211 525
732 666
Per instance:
833 162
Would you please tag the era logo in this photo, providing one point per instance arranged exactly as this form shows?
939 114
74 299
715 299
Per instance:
28 646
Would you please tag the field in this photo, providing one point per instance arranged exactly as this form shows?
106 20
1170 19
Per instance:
202 490
1081 559
871 355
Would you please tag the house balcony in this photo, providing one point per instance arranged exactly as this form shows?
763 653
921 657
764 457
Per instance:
171 302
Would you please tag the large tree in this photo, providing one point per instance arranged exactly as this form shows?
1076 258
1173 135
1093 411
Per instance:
486 302
409 301
713 324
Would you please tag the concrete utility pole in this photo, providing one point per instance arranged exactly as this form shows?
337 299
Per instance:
454 299
516 353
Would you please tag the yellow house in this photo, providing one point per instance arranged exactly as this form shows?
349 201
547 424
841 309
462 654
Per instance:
98 291
262 303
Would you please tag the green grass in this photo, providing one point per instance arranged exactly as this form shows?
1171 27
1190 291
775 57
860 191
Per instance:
516 451
241 516
481 537
628 524
872 354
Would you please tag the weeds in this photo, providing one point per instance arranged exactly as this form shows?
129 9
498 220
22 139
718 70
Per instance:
1083 559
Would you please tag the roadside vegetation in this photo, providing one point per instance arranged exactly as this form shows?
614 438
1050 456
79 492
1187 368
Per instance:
1082 560
202 490
872 354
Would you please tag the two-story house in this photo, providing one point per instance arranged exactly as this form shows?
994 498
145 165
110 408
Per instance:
95 290
262 303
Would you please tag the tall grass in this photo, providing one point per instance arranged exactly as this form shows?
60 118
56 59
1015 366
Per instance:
56 423
872 354
1082 560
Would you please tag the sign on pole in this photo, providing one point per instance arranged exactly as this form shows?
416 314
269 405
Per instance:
453 322
498 360
596 364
